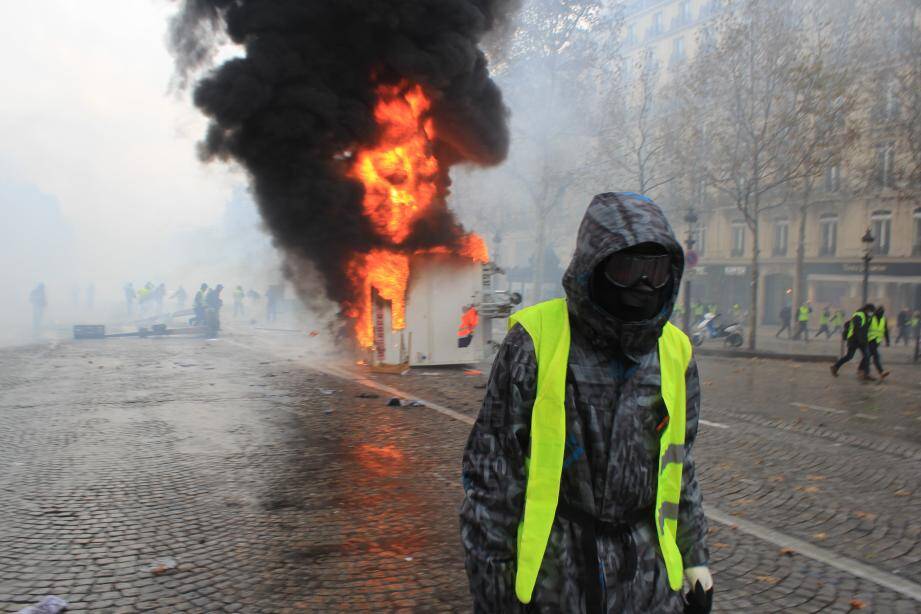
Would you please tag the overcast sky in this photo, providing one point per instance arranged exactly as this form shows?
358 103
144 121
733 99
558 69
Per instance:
87 118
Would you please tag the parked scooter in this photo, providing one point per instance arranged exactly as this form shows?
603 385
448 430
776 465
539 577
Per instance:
709 328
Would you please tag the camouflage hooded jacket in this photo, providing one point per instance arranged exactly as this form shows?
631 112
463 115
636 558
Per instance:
613 406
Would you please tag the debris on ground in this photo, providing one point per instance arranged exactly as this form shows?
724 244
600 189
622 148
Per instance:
367 395
326 391
162 566
48 605
473 372
398 402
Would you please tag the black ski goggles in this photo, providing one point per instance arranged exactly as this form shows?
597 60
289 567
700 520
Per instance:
627 270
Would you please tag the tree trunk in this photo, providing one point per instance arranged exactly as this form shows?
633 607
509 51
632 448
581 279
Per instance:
541 244
799 277
753 309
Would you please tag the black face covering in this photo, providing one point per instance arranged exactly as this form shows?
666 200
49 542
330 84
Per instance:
640 300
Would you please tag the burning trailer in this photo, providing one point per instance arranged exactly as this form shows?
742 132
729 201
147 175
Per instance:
449 311
348 117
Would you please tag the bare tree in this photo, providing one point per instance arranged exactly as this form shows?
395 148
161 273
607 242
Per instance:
553 71
634 133
746 96
830 90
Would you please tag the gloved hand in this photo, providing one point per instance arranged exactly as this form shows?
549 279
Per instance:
700 599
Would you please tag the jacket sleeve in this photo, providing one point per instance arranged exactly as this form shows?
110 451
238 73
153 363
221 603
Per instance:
692 524
494 476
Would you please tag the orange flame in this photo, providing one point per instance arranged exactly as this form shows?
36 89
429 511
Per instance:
388 273
400 176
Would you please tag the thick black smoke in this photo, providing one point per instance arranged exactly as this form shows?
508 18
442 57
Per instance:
304 93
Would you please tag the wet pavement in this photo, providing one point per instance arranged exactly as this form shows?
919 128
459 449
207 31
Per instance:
278 487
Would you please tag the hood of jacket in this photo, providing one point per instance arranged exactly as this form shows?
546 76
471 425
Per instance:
615 221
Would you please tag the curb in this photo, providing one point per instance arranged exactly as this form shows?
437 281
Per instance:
826 358
770 355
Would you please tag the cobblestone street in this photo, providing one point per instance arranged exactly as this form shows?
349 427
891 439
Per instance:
280 482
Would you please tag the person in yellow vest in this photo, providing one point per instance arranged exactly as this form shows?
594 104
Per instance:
238 296
878 330
824 323
837 322
198 304
737 312
856 333
581 493
802 321
697 312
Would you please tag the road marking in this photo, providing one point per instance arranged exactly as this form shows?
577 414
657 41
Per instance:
364 381
866 416
885 579
718 425
830 410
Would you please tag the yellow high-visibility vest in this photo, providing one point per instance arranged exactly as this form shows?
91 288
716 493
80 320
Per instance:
863 319
548 325
803 313
877 329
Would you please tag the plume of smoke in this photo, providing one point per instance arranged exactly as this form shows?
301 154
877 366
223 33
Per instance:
302 97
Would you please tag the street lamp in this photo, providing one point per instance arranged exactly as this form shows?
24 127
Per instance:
691 219
867 240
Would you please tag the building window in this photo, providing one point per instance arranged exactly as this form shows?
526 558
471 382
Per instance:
656 23
833 178
738 238
781 237
631 34
916 244
828 234
885 159
891 104
678 54
882 231
684 11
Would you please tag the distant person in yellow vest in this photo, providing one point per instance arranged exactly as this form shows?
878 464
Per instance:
697 312
877 332
737 313
802 321
581 490
903 326
824 323
837 321
238 296
198 304
856 334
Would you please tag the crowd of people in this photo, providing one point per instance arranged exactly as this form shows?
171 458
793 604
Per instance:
832 320
150 300
865 332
